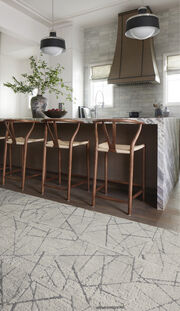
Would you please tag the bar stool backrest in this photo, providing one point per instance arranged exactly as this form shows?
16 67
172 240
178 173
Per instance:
51 128
10 128
113 123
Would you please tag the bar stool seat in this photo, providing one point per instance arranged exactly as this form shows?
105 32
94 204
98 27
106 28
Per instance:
65 144
21 140
104 147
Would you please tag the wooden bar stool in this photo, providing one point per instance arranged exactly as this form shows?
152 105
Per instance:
10 157
2 138
110 145
11 139
51 129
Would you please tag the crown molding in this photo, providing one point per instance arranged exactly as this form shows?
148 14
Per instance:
30 11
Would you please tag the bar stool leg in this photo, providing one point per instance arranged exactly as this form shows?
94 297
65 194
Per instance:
4 164
24 165
59 166
143 172
88 167
10 159
44 170
105 172
131 172
69 174
95 177
22 157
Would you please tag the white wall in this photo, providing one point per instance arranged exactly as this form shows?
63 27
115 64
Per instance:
19 25
65 60
14 53
14 56
73 62
78 68
19 39
11 104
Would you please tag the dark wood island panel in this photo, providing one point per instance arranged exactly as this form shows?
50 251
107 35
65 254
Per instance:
118 165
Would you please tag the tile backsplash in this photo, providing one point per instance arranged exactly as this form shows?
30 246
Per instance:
99 48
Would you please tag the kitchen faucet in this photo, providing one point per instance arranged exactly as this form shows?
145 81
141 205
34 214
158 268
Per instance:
100 103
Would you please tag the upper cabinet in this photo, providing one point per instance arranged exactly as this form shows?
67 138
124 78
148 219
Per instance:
134 60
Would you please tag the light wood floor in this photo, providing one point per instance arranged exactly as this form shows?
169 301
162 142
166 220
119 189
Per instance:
142 212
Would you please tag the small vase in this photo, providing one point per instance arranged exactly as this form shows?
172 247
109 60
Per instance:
158 113
38 106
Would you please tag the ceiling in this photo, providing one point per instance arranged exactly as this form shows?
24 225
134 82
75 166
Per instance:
84 12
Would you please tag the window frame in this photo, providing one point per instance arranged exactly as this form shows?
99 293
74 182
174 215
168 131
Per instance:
165 79
91 81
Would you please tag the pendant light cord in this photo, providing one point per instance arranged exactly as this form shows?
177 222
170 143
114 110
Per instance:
52 15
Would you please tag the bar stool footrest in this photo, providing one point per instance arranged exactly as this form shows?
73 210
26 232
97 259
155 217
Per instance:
59 187
111 198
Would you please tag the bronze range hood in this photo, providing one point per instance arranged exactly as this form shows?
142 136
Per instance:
134 60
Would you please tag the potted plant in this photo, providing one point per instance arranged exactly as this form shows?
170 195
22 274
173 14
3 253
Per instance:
44 79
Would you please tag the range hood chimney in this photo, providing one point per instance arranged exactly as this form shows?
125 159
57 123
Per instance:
134 60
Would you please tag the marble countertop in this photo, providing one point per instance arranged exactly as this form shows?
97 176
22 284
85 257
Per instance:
146 120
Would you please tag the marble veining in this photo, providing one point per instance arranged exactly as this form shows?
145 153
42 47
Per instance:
58 257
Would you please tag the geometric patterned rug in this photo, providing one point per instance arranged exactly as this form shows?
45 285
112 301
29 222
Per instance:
55 256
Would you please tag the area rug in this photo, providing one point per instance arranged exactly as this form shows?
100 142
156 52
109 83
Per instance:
58 257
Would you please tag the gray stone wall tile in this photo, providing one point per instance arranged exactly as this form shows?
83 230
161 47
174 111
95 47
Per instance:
100 45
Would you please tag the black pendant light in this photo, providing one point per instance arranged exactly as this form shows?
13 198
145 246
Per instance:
52 45
142 26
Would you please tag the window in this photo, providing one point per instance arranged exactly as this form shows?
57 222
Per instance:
101 91
172 73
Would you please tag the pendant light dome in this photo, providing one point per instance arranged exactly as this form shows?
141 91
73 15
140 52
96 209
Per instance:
142 26
52 45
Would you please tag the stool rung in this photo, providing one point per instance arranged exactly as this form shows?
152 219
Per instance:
14 171
79 183
110 198
51 178
19 177
99 188
137 194
34 175
123 182
14 177
59 187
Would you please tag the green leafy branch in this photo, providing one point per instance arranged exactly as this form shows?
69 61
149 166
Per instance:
43 78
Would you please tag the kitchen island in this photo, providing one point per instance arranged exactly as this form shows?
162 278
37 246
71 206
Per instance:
161 136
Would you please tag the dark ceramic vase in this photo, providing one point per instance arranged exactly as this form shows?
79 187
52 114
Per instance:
158 112
38 106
